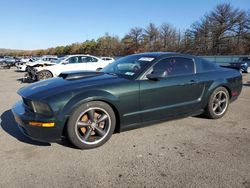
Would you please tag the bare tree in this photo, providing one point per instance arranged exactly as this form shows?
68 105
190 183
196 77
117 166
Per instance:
151 36
168 36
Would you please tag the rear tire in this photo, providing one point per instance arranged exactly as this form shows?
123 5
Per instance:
43 75
218 103
91 125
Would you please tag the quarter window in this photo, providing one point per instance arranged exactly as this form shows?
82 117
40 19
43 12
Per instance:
174 66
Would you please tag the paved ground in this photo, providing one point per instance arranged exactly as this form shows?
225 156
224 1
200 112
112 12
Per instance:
191 152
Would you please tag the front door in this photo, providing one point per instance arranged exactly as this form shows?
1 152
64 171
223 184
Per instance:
176 91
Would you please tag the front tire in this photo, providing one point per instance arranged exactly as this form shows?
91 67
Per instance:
91 125
218 103
43 75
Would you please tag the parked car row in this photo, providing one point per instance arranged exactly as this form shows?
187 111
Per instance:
7 61
42 61
51 66
240 63
245 65
242 66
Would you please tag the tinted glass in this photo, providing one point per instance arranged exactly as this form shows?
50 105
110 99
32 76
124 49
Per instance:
83 59
91 59
174 66
87 59
94 59
73 59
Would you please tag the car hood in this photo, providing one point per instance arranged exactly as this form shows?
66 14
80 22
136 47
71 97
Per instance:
61 85
38 62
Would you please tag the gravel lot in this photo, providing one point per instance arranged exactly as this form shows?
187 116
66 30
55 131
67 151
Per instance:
190 152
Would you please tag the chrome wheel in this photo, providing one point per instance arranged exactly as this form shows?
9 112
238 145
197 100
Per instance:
93 125
220 102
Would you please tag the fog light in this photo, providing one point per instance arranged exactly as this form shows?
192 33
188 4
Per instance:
41 124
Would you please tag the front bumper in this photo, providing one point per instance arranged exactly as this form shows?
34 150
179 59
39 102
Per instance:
43 134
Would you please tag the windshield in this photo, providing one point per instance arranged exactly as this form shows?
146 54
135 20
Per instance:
59 60
129 67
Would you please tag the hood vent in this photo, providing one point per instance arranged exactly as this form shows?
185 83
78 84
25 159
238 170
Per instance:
79 75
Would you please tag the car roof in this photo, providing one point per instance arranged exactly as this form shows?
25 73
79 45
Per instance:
73 55
159 54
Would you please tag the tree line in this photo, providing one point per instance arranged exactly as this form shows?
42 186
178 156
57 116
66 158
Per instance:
223 31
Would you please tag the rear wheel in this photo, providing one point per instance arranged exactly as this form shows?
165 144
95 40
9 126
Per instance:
218 103
43 75
91 125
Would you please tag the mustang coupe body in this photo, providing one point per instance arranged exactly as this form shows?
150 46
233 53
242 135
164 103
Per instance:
133 91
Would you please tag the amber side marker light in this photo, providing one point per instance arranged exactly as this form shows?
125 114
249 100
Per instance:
41 124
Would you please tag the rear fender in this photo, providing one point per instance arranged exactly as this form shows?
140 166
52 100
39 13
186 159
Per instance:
212 87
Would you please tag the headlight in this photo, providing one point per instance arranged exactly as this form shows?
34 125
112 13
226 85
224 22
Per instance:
41 108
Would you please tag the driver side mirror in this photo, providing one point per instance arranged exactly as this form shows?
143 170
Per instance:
153 77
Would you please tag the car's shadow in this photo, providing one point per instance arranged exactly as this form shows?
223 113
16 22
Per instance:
25 80
9 125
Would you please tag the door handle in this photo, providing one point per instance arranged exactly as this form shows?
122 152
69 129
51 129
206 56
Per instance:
190 82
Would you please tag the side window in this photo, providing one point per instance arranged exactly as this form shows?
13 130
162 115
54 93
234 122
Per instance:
83 59
72 60
93 59
174 66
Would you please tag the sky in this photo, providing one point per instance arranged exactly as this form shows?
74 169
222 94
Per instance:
40 24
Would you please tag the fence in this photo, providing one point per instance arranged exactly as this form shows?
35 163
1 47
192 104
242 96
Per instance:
224 59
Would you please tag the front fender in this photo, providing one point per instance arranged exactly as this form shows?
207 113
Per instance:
85 97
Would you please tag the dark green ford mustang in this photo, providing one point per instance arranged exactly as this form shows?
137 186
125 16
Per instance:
134 91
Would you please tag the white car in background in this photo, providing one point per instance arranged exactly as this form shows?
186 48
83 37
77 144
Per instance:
69 63
25 60
43 61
